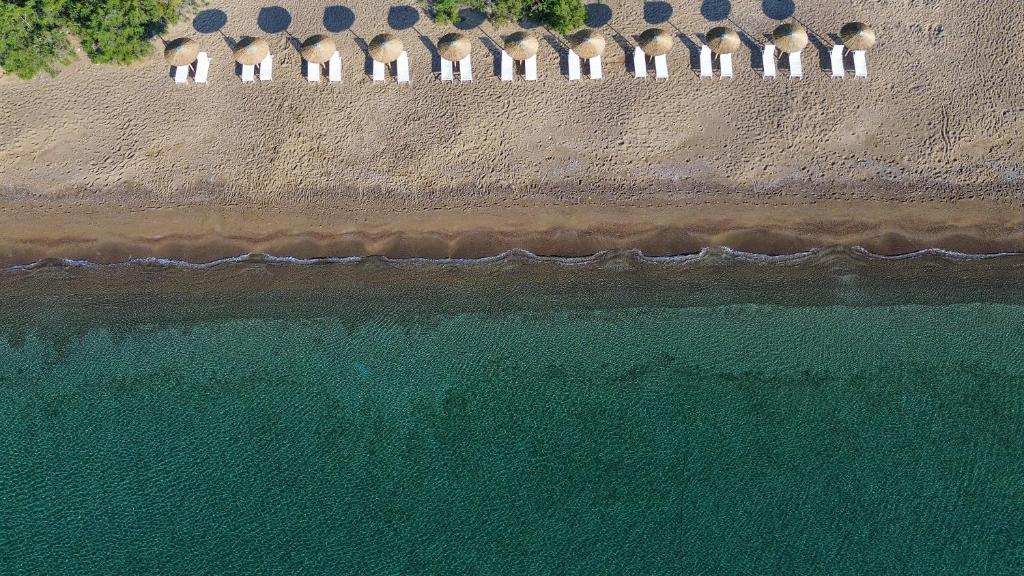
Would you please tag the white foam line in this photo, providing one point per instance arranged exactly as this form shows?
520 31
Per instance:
950 254
758 257
567 261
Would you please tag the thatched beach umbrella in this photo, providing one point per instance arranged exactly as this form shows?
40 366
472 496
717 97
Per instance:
317 49
251 51
790 37
454 46
587 43
857 36
386 48
723 40
655 42
181 52
521 45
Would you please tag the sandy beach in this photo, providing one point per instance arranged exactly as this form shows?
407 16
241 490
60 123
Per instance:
105 163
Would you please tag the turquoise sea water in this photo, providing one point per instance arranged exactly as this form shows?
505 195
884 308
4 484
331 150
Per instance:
154 421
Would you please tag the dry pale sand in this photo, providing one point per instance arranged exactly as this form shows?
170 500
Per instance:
106 162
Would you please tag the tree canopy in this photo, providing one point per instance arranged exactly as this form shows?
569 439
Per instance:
563 16
34 33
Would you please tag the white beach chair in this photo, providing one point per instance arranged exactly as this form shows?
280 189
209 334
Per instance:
334 68
725 62
248 73
466 70
574 65
181 74
530 72
447 75
595 68
639 63
860 64
202 68
796 69
403 67
312 72
507 67
661 67
768 60
838 70
267 68
378 71
705 61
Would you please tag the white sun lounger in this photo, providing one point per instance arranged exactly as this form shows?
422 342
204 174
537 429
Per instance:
661 67
181 74
267 68
507 67
403 67
725 62
768 60
860 64
836 55
466 69
639 63
202 67
312 72
574 65
530 73
334 67
248 73
595 68
378 71
796 69
447 75
705 61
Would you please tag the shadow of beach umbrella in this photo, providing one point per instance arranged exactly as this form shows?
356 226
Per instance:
454 46
857 36
181 52
386 48
317 49
521 45
790 37
723 40
587 43
655 42
251 51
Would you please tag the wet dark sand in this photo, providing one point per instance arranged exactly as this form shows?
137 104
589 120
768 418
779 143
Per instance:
202 233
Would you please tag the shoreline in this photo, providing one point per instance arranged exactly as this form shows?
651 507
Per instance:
105 163
202 233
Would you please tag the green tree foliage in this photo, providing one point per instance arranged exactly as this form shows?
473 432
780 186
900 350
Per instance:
446 11
562 15
34 33
119 30
505 11
33 37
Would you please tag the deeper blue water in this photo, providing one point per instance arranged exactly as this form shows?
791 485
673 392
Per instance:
566 431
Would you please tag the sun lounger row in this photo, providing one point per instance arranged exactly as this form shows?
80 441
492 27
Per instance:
519 56
264 70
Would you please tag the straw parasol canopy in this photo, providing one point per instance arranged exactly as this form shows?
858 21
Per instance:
857 36
386 48
317 49
251 51
790 37
655 42
521 45
587 43
454 46
723 40
181 52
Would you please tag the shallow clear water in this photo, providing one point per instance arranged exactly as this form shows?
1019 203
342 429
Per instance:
308 430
